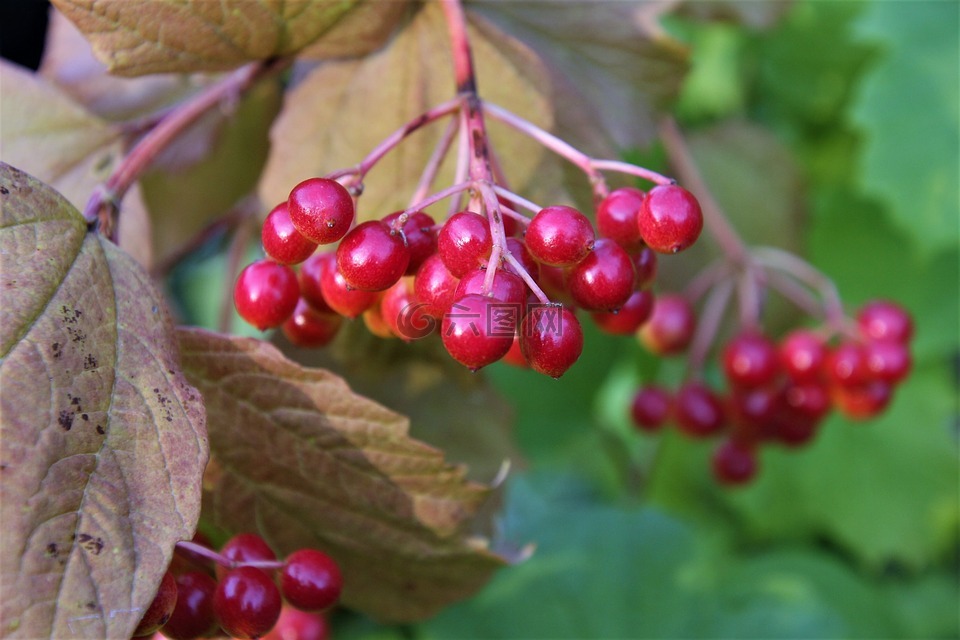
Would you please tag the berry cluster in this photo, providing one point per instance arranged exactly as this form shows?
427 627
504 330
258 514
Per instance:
241 597
494 282
777 392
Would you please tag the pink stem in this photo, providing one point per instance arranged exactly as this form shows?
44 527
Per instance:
438 196
633 170
222 560
707 327
773 258
433 164
516 199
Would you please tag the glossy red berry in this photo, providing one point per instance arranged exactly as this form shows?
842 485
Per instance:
617 217
559 236
698 411
464 242
734 463
339 295
294 624
514 356
645 264
246 602
846 365
420 234
802 354
310 580
670 327
793 429
603 280
266 293
650 408
435 287
882 320
406 318
506 287
808 399
193 616
669 219
551 339
321 210
160 608
518 249
309 276
372 256
750 360
863 401
375 322
245 547
887 361
751 410
473 335
310 328
281 240
630 317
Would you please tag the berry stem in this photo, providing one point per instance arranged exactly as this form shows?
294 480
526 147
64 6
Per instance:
786 262
710 318
104 204
222 560
432 167
527 278
726 236
516 199
438 196
632 169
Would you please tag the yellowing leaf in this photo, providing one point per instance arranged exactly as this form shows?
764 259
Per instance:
342 110
152 36
49 136
306 462
103 439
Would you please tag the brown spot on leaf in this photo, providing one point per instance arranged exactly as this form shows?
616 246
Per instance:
91 544
52 549
57 350
100 429
4 190
90 362
65 419
91 606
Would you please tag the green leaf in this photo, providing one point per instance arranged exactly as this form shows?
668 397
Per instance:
909 110
342 110
103 439
153 36
303 460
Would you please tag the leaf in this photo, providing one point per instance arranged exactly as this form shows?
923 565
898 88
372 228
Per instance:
910 156
343 110
51 137
304 461
612 70
154 36
103 439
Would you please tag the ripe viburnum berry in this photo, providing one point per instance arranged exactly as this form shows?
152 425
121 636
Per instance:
310 580
321 209
559 236
266 293
669 219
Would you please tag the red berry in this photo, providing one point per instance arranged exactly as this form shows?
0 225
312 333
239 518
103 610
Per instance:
887 361
603 280
160 608
435 287
863 401
630 317
338 295
266 293
752 410
310 328
311 272
321 210
281 240
645 264
310 580
551 339
193 616
750 360
553 281
885 321
802 354
518 249
420 235
514 356
846 365
809 399
507 287
617 217
473 335
559 236
698 411
294 624
650 408
374 320
670 219
670 327
246 602
245 547
464 242
734 463
372 256
794 429
406 318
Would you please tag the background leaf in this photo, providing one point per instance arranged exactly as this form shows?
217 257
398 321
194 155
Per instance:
155 36
103 439
304 461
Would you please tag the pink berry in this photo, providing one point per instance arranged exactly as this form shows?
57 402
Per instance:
887 361
559 236
846 365
630 317
473 335
885 321
650 408
617 217
669 219
670 327
603 280
321 210
371 257
698 411
464 242
266 293
281 240
802 354
734 463
750 360
551 339
809 399
310 580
